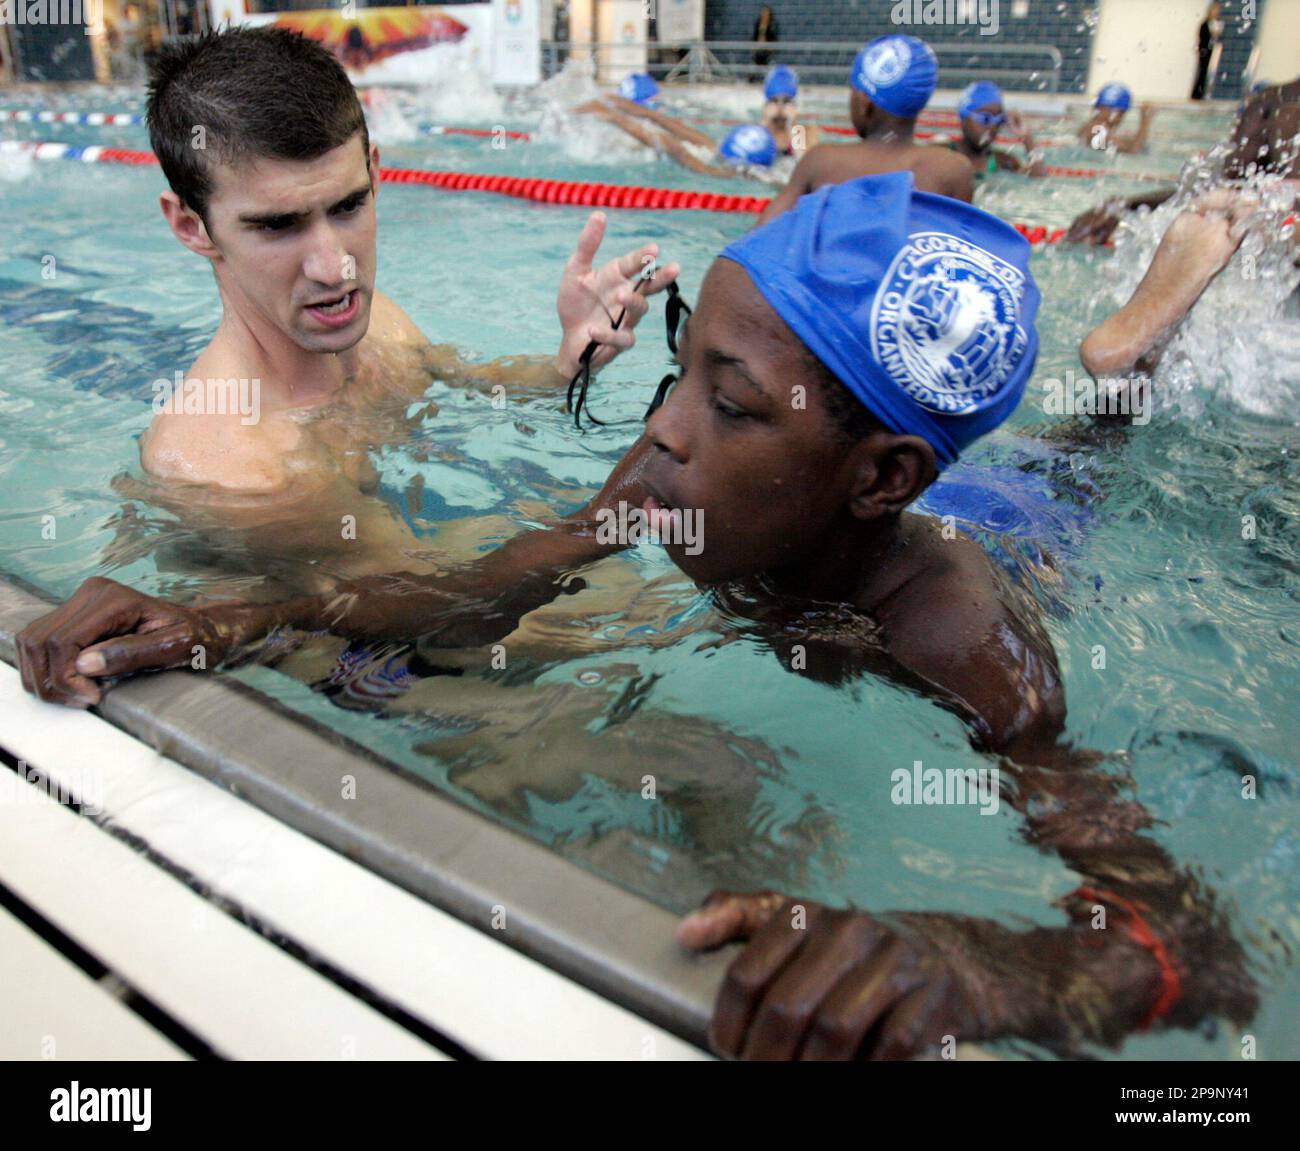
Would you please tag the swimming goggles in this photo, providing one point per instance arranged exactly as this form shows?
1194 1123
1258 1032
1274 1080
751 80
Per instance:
988 119
581 382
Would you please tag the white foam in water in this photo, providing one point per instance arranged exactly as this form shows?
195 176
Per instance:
15 166
453 89
384 119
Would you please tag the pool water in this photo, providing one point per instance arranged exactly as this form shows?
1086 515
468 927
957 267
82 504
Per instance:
1132 541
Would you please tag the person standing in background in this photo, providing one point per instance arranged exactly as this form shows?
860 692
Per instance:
764 33
1209 41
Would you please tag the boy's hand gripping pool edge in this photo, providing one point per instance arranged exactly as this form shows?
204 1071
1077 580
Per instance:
107 629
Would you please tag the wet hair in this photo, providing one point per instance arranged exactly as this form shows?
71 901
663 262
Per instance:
852 418
253 92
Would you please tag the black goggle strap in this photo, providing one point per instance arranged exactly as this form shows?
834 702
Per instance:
661 394
581 381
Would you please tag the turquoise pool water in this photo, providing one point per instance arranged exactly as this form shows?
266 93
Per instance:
767 778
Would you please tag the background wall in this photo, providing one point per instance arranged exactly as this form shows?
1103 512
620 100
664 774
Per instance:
1065 23
1150 45
1279 41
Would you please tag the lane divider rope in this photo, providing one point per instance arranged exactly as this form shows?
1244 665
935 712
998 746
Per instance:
571 192
118 119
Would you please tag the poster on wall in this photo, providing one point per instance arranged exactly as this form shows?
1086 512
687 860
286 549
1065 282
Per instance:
622 32
679 20
385 45
516 42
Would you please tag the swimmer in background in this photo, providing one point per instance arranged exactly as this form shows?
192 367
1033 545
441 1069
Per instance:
982 113
1265 139
781 113
747 150
1113 101
837 360
892 80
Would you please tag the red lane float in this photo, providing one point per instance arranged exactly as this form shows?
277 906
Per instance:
572 192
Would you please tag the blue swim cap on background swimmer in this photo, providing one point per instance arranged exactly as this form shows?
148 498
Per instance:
640 88
749 144
976 96
781 81
897 72
1114 95
922 306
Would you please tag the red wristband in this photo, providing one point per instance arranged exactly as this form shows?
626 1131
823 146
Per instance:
1140 932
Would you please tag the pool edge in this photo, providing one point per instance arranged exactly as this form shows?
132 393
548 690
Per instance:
608 939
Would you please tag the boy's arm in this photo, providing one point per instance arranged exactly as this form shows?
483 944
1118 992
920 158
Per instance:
107 629
1144 944
908 980
1138 141
1097 225
669 123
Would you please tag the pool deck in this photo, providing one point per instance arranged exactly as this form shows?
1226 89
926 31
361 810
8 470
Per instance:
250 909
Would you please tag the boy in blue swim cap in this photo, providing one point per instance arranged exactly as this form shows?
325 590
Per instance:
781 113
837 360
892 80
1108 110
982 113
747 150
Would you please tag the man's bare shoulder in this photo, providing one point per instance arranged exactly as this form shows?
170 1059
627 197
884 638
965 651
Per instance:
220 451
389 323
400 351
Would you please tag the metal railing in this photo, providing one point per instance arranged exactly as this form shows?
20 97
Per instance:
817 61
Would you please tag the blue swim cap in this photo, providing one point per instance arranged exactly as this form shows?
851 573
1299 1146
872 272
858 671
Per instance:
922 306
897 72
976 96
1114 95
749 144
781 81
640 88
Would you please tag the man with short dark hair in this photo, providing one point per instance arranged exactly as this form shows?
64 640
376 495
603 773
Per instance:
273 180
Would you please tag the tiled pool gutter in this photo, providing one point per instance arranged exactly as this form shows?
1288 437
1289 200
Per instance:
614 942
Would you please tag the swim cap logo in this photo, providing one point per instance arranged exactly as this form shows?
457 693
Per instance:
751 139
945 323
885 64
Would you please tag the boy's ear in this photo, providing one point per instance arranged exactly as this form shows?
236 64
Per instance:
187 225
890 472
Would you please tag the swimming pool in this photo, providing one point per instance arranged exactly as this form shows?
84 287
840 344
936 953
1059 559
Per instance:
766 778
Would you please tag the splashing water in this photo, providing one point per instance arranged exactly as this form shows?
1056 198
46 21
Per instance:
1241 341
